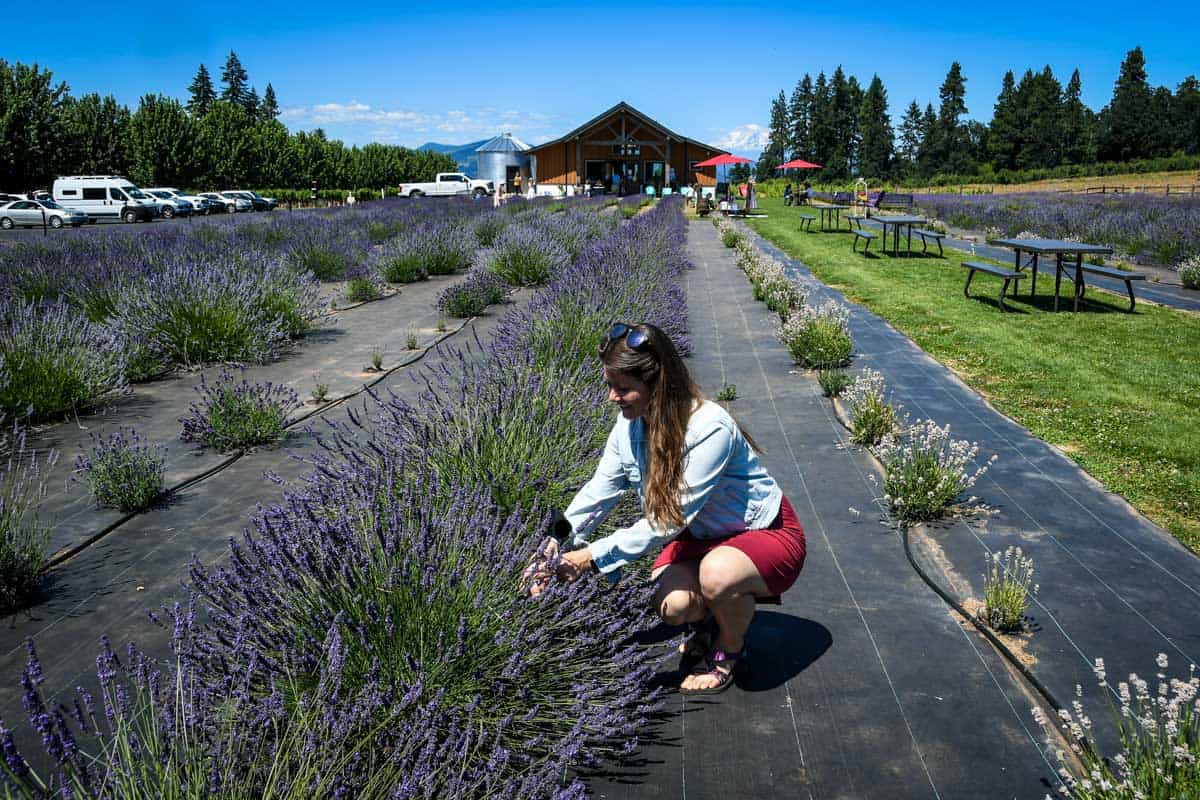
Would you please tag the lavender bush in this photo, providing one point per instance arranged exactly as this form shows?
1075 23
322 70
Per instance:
1008 583
1159 734
818 337
871 416
926 470
487 227
189 313
527 255
22 535
1189 272
231 415
123 471
53 360
431 248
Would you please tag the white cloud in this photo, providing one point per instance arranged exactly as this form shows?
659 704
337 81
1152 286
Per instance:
745 138
360 123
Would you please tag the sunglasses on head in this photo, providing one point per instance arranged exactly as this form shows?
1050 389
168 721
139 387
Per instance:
634 338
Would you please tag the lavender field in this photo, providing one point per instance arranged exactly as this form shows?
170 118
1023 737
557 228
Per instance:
363 638
1155 228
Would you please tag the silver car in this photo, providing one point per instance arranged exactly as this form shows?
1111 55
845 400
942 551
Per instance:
30 213
229 201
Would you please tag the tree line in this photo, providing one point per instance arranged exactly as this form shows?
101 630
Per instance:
1037 124
214 140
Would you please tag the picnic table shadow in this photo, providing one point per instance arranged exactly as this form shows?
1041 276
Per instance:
1024 304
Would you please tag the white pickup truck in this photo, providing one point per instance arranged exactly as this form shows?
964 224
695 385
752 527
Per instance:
447 184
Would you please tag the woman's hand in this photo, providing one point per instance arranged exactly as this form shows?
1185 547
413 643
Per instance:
574 564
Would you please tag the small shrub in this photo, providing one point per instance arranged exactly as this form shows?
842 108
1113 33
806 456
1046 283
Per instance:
441 326
871 417
403 269
461 301
487 227
728 392
124 471
233 415
926 470
360 290
731 236
1159 732
833 381
377 361
320 390
410 340
53 360
818 338
1189 273
22 536
527 255
629 211
1006 589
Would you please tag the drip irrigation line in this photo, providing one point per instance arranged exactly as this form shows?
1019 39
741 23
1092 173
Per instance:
64 555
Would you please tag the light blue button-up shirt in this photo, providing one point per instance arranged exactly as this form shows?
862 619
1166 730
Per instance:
725 491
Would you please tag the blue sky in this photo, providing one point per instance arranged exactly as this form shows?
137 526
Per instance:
408 73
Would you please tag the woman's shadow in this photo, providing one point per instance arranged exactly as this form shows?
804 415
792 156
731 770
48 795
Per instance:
781 646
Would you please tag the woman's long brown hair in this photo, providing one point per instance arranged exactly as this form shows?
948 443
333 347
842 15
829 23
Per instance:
673 397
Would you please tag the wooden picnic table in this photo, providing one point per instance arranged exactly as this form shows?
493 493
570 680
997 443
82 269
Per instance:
1057 248
831 213
898 221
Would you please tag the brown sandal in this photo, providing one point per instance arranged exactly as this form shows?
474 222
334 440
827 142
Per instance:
712 667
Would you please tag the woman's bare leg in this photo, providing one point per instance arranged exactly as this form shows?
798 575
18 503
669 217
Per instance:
729 582
677 597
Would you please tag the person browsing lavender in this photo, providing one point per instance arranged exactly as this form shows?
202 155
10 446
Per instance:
727 533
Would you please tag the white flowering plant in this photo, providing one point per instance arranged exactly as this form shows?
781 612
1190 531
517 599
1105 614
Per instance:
1007 587
926 470
871 416
1189 272
1159 733
818 337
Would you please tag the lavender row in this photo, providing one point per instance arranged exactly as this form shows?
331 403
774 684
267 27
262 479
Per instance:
1157 228
369 637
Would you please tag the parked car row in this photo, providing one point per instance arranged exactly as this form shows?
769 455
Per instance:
77 199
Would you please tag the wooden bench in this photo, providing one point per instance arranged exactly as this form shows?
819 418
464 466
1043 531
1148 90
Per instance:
854 220
896 201
1008 275
842 198
806 221
1116 274
866 236
935 236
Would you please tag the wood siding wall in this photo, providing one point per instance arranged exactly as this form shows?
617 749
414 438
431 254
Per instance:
556 161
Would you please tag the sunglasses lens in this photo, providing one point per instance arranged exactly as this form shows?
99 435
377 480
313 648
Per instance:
636 339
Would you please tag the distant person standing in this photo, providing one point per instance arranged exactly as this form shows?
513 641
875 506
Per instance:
751 194
616 182
517 184
671 179
498 195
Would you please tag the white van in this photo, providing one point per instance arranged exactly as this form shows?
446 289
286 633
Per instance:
105 197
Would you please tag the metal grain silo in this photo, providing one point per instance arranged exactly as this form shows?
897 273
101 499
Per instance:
501 159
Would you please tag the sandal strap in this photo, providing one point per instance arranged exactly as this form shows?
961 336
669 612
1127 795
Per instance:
719 656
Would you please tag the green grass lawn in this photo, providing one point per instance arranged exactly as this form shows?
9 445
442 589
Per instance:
1119 392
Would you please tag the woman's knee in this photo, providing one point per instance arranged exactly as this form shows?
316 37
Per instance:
681 606
726 572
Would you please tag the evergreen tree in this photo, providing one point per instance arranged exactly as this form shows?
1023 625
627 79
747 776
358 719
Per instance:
1078 125
929 158
222 146
800 118
269 110
951 149
778 137
1127 120
30 107
823 129
202 93
1005 136
253 105
1185 115
875 128
1039 120
911 137
235 79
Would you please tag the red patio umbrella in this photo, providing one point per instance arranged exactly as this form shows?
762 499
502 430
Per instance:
799 163
724 160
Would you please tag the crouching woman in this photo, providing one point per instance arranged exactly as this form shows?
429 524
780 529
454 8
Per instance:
726 532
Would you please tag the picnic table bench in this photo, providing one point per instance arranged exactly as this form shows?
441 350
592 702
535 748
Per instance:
806 221
1010 276
1117 274
935 236
866 236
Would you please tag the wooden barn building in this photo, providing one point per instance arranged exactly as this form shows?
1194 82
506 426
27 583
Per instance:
623 142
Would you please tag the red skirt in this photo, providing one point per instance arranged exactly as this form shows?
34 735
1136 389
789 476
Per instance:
777 550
